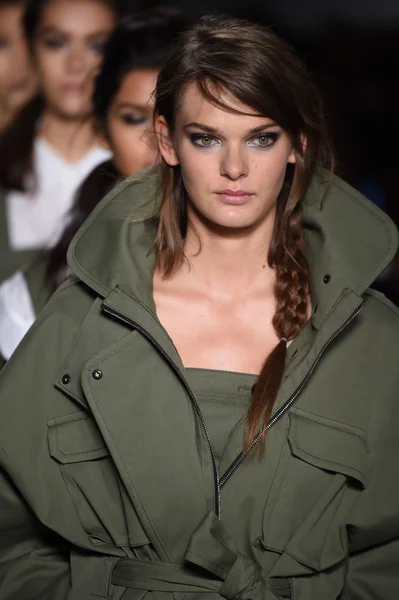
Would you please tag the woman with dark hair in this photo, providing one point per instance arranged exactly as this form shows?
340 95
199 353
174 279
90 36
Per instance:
17 75
199 399
123 108
51 146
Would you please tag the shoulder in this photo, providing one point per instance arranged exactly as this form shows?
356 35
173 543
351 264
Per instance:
381 311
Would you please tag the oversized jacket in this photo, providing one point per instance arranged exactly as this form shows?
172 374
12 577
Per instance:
109 488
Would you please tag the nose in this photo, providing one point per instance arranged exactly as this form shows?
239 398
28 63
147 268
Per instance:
234 163
76 62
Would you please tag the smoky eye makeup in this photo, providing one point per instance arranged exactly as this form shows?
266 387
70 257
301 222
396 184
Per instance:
4 43
203 140
132 117
265 139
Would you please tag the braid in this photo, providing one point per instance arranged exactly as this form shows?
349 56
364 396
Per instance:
292 278
287 255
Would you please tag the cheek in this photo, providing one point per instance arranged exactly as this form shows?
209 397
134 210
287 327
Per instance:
48 68
130 151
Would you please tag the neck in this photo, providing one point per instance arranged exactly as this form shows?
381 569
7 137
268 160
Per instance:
71 139
230 263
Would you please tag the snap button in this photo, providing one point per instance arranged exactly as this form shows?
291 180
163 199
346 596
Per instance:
97 374
326 278
66 379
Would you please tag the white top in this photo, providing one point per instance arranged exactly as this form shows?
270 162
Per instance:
36 219
16 313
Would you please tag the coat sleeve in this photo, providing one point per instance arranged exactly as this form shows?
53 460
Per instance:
373 566
34 557
33 564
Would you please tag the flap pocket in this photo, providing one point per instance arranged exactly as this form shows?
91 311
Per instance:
74 438
328 444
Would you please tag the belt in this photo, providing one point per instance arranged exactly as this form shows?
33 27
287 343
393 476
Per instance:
166 577
160 577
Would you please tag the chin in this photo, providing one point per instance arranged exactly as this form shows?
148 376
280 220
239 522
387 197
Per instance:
75 112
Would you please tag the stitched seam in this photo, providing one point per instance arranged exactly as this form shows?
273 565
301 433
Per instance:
66 424
328 531
99 361
233 581
77 339
325 460
206 560
127 472
357 435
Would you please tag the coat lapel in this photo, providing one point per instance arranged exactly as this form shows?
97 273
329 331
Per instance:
150 426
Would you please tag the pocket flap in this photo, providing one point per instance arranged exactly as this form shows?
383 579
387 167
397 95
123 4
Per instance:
328 444
74 438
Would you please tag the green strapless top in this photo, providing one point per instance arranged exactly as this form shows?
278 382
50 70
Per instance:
224 398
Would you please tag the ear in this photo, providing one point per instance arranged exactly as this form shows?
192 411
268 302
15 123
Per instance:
293 154
165 142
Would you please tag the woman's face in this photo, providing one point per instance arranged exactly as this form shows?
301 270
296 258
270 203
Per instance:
17 76
129 123
68 50
233 165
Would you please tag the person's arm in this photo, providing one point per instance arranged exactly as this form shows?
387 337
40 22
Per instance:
373 565
33 564
373 573
34 560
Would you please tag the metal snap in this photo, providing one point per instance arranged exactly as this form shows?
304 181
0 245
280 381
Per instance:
326 278
97 374
66 379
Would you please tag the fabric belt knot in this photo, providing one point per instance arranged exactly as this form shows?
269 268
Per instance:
231 574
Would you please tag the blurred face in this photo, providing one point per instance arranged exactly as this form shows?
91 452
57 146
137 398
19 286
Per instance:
129 125
68 50
233 165
17 77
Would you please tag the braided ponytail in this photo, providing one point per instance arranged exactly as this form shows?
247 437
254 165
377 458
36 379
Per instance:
287 256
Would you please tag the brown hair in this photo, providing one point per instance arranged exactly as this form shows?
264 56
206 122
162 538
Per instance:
253 65
17 139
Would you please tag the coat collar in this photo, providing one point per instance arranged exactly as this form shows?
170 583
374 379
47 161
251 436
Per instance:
349 242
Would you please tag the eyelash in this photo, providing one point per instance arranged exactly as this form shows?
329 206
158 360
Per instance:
272 137
54 43
59 44
132 120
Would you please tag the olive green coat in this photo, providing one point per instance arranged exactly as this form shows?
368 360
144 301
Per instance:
109 488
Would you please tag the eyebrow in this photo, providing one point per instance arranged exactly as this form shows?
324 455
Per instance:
138 107
53 30
214 131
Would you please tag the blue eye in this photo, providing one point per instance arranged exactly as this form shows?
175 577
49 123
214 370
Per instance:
202 140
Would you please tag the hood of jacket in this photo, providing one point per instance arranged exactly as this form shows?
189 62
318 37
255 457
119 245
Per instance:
349 241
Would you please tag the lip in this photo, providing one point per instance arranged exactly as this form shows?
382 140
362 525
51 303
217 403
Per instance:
73 87
230 192
234 197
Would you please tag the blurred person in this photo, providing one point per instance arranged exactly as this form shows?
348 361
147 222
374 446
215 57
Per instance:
51 146
208 407
17 75
123 109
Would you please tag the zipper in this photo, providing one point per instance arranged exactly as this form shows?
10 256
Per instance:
150 338
230 470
